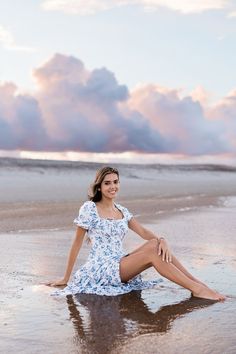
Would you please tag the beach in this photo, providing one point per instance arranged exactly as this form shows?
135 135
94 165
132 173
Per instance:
192 206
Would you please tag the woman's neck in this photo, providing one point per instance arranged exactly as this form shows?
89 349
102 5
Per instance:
107 203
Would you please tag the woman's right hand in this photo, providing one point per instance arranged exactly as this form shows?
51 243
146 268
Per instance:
60 282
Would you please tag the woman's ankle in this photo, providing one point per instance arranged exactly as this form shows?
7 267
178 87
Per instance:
196 288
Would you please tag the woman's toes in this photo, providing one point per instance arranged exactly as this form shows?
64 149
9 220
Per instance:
207 293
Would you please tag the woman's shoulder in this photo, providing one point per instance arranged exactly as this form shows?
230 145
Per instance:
121 207
124 210
87 215
87 206
88 203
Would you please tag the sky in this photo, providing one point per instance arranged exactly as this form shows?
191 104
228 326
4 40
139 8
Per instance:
142 80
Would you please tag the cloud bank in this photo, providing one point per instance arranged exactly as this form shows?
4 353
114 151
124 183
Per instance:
75 109
89 7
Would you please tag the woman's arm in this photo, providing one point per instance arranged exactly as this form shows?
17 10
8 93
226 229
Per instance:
141 230
75 248
163 248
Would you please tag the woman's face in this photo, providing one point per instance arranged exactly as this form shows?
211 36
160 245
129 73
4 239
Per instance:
110 186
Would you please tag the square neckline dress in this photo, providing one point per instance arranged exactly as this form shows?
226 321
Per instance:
101 272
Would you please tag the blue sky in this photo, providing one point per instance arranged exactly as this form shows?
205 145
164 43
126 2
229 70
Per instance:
180 47
162 46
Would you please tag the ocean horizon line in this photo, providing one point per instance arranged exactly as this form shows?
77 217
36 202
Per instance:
22 162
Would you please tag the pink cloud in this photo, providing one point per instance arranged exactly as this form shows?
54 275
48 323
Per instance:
75 109
21 123
181 120
224 112
81 109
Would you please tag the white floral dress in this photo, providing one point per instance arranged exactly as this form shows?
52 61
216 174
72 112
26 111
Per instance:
100 274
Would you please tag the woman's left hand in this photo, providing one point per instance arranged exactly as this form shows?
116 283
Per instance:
164 251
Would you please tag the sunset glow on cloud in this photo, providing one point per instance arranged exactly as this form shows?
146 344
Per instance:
76 109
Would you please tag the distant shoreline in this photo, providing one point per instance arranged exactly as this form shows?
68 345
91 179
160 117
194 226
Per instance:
11 162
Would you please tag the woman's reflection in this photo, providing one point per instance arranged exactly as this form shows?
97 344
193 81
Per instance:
103 322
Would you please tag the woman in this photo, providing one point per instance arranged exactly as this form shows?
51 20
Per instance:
108 270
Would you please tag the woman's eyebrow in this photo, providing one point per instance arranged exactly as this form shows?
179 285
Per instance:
114 180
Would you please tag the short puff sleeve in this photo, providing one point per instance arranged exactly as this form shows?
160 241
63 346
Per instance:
85 217
127 214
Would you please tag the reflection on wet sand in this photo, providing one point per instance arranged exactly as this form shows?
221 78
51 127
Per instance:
102 322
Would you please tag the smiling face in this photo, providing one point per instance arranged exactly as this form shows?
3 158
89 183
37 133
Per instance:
110 186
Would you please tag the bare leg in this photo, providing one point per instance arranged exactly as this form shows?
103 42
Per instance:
180 266
147 256
176 262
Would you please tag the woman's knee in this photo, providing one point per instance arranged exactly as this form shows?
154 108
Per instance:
152 247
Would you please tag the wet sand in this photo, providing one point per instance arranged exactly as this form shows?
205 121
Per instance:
193 208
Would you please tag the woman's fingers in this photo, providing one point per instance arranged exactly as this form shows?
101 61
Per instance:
50 283
161 251
46 283
161 248
56 283
168 256
164 252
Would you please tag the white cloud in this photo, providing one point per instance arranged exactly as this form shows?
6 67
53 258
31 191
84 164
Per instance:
80 7
185 6
8 41
201 95
87 7
78 110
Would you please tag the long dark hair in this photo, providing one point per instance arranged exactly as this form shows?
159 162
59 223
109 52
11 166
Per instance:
95 194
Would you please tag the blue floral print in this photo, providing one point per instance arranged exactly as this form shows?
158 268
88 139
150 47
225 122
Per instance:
101 274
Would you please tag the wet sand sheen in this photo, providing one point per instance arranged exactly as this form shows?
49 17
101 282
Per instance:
200 228
165 317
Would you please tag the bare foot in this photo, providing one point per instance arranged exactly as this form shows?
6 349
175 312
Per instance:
221 297
61 282
207 293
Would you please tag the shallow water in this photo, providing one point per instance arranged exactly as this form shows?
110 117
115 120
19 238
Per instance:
161 320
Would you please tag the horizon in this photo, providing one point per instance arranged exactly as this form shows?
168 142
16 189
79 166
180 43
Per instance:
177 161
